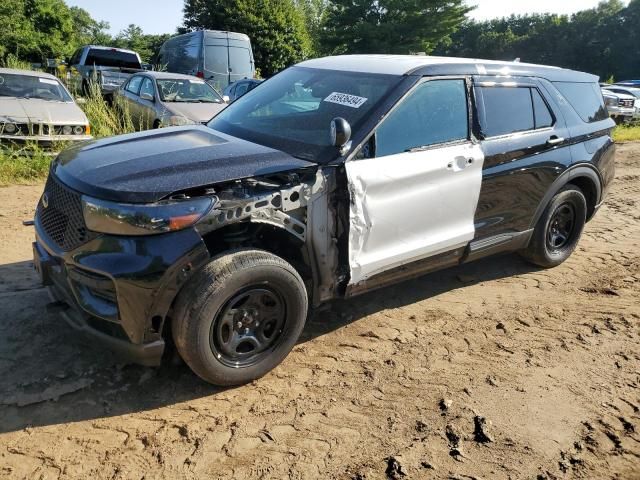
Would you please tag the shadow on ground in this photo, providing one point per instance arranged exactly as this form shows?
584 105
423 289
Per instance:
47 376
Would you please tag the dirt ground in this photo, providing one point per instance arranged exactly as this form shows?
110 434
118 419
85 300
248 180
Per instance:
491 370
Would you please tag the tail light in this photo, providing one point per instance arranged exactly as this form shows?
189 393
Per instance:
200 74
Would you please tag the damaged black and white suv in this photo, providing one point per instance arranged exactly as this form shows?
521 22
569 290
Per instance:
337 176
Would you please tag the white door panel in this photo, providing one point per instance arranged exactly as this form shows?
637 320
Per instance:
411 205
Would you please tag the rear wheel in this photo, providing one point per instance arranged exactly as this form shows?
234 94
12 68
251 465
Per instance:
558 231
239 317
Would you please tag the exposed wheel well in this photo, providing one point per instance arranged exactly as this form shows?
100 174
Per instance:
265 237
590 192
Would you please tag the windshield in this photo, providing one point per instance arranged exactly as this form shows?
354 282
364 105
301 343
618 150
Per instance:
182 90
28 86
293 110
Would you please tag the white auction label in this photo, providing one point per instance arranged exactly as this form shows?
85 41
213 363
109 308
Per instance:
346 99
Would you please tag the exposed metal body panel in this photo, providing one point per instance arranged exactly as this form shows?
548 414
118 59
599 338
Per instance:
412 205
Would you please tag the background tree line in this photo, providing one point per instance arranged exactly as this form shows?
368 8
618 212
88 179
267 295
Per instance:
603 40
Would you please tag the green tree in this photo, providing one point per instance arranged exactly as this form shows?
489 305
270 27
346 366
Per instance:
277 28
88 30
33 30
390 26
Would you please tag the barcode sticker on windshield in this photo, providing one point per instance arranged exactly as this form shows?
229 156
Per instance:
46 80
345 99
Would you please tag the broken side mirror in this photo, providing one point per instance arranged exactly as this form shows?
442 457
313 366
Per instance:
340 134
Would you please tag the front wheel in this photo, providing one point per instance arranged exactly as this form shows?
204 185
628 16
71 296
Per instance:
558 231
240 316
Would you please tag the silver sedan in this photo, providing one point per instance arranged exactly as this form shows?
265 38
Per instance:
159 99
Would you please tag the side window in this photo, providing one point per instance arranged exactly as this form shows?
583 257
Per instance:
147 87
435 112
76 57
506 110
134 85
543 117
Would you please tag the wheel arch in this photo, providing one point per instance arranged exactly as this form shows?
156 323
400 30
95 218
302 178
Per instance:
264 236
585 177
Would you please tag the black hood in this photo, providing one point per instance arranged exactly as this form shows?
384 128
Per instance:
148 166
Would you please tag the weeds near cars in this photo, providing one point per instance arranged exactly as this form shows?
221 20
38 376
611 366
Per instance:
627 133
106 120
25 165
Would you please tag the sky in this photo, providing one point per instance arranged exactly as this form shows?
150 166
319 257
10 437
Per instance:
164 16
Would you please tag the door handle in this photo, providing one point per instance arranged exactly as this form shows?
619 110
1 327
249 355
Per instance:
555 140
460 163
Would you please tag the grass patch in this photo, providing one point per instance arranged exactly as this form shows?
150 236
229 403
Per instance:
23 166
105 121
626 133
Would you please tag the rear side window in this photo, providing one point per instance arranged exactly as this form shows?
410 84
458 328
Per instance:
509 110
112 58
435 112
585 98
542 116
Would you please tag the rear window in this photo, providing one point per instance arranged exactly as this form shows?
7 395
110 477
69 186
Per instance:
113 58
585 98
181 54
239 61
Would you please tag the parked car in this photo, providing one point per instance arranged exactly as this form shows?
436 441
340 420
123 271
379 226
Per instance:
337 176
36 107
239 88
108 67
218 57
621 90
620 106
158 99
629 83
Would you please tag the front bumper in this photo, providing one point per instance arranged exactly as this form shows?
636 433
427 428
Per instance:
118 290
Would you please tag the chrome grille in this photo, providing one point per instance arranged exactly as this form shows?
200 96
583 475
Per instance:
627 103
62 218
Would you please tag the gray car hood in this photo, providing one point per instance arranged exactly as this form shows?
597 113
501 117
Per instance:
198 112
32 110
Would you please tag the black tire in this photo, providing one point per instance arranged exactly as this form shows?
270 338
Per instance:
212 317
558 231
156 124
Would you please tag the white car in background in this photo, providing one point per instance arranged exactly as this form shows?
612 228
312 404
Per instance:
621 106
36 107
621 90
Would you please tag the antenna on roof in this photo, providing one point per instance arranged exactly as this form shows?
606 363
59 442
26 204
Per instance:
517 60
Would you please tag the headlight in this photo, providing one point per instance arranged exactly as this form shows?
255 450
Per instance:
78 129
10 128
176 121
66 130
130 219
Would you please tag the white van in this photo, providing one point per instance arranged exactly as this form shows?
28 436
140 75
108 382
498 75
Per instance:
218 57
